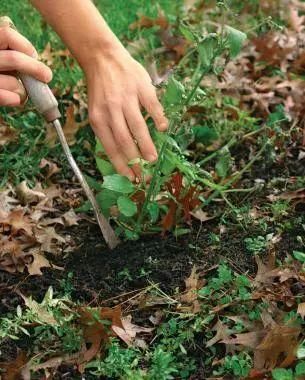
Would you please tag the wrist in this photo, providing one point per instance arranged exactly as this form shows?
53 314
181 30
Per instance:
107 49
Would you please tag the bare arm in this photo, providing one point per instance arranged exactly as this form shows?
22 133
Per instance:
117 85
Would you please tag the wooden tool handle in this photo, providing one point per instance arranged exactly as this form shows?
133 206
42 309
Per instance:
42 97
39 92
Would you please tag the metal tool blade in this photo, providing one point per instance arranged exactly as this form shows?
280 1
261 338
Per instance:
111 239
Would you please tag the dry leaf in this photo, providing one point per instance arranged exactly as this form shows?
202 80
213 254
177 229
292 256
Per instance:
7 134
296 21
147 22
278 348
43 314
38 262
201 215
52 167
301 310
27 195
222 333
13 369
71 126
250 339
48 237
129 330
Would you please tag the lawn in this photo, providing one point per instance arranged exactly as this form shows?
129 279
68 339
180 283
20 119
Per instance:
209 279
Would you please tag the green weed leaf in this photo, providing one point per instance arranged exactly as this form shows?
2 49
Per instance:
282 374
300 369
223 164
118 183
174 93
187 33
235 40
207 49
126 206
106 199
300 256
204 134
153 209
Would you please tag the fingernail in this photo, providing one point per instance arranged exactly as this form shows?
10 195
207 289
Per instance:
152 157
49 76
35 54
164 125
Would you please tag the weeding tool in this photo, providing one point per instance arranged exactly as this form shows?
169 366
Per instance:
47 105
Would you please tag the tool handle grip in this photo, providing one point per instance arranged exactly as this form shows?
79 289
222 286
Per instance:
41 96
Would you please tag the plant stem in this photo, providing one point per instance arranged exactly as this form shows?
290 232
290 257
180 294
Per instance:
157 168
216 153
238 175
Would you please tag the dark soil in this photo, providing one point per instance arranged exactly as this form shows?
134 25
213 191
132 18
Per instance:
104 277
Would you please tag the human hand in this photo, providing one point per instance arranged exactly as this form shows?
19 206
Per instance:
118 87
17 54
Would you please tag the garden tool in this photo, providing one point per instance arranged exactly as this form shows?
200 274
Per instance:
47 105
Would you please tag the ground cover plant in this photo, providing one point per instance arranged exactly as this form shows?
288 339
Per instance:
209 281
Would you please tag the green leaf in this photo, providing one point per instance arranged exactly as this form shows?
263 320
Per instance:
93 183
223 164
106 199
153 209
282 374
207 50
168 165
126 206
85 207
300 369
104 167
118 183
174 93
181 231
204 134
187 33
235 39
298 255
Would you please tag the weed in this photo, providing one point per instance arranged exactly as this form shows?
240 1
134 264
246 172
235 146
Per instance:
256 244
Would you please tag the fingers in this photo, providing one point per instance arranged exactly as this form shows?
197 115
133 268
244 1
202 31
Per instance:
123 137
15 61
112 149
150 102
9 99
12 40
140 132
12 84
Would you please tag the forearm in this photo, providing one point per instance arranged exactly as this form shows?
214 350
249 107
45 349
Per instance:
81 27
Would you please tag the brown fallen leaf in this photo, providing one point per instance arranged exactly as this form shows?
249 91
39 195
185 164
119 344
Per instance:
301 310
51 166
16 221
129 331
147 22
201 215
7 134
40 310
38 262
13 369
296 21
70 218
71 126
222 333
278 348
97 324
27 195
190 295
249 339
48 237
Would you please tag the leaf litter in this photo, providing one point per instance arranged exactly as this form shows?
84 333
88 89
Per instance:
29 220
